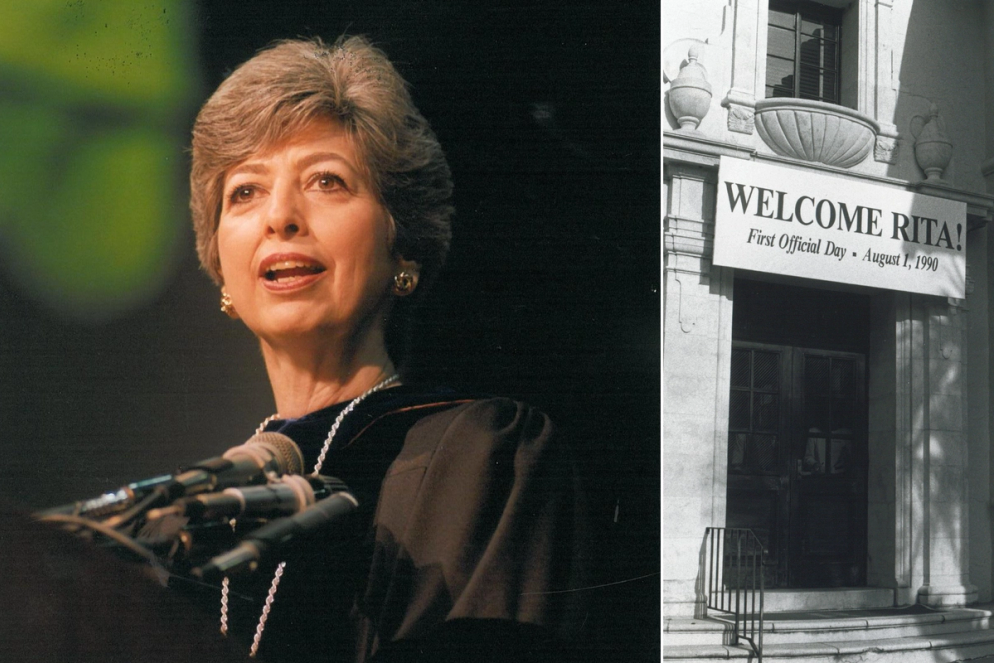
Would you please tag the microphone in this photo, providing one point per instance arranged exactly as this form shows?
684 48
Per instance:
285 496
266 540
249 463
253 462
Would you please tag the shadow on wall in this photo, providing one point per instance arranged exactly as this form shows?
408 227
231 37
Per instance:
939 444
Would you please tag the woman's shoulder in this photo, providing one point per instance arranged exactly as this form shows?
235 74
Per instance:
437 412
498 414
486 431
438 429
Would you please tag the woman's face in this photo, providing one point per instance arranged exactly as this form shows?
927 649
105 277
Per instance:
305 245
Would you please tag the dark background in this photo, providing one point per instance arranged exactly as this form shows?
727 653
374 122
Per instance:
549 114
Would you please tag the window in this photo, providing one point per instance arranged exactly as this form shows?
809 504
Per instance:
830 414
754 412
802 58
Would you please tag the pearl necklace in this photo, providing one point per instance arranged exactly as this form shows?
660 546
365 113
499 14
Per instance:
270 597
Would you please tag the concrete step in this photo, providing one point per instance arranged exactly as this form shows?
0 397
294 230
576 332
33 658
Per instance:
866 625
920 649
842 598
832 626
840 638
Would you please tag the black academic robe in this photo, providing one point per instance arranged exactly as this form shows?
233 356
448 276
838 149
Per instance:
467 544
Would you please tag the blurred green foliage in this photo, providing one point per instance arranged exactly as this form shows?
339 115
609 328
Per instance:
95 97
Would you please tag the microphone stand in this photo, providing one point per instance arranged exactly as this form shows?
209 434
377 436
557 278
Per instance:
177 540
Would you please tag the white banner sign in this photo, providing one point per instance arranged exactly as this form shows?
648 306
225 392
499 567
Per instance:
787 221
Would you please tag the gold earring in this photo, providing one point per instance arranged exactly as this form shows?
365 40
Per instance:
227 307
404 284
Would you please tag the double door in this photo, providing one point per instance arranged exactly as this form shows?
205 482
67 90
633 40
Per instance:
797 461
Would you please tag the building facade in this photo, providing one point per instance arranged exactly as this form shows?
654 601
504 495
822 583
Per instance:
826 368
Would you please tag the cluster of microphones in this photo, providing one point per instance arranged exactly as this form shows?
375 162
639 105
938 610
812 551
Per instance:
260 481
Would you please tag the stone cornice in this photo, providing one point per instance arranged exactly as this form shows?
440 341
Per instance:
979 206
696 148
685 147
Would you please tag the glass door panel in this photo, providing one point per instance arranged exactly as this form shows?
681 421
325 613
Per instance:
827 527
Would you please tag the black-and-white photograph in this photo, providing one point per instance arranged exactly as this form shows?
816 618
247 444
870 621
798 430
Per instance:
828 185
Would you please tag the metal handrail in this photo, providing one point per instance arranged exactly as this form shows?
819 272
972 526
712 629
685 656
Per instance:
733 581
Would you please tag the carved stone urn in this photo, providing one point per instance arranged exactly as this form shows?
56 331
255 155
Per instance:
690 93
933 151
815 131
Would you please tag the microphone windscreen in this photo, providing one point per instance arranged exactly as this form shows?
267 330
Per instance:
286 452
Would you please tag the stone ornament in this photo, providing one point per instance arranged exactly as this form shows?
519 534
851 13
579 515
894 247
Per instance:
886 149
933 150
690 93
741 119
815 131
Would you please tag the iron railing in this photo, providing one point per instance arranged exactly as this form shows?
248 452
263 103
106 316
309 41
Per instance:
732 565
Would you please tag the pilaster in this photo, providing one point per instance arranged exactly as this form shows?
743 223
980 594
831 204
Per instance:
881 84
918 500
697 329
748 49
944 454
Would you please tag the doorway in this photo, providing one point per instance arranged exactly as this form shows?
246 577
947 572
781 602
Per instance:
797 433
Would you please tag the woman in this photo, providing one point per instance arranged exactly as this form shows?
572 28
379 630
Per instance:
321 203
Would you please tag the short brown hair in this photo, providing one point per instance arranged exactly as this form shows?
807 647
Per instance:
275 93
